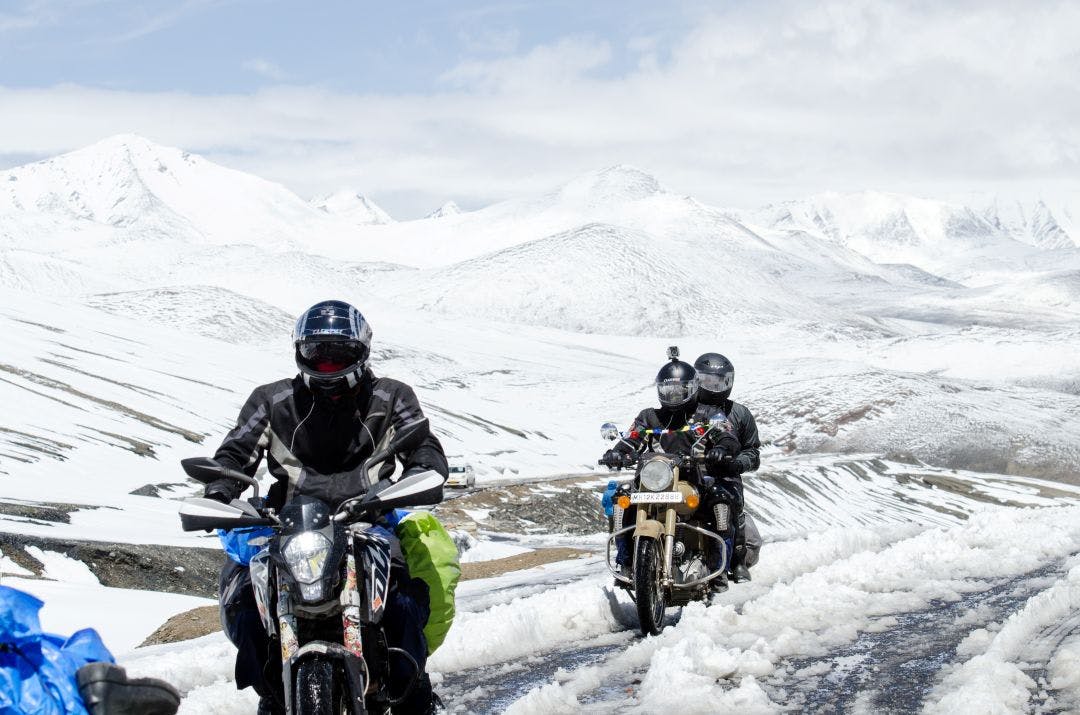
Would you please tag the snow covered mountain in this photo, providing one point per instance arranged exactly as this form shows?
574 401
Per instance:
1035 222
353 207
973 246
447 209
609 253
127 188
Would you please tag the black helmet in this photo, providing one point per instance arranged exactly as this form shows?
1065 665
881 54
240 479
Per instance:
332 342
676 383
716 375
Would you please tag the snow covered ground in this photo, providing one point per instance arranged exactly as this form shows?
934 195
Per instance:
966 609
911 364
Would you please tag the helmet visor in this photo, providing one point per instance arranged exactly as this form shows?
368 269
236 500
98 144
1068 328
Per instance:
714 383
675 392
332 356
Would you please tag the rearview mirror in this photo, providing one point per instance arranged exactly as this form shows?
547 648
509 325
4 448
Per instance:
719 421
609 431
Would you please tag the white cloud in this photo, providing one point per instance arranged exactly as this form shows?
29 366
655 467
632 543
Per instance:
266 69
761 102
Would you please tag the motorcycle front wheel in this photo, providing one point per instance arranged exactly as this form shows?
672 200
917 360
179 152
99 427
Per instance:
318 692
648 592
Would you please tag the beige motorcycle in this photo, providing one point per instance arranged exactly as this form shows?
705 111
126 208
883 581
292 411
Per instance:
670 536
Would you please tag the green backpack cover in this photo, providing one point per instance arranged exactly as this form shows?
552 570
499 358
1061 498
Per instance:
431 555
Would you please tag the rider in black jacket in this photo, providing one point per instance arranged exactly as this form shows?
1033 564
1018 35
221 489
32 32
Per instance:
315 430
716 376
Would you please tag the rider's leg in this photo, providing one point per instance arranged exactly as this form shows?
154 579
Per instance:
406 615
737 567
258 661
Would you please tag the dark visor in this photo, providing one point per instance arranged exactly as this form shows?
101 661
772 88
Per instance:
339 352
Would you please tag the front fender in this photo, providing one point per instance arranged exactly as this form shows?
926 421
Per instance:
650 528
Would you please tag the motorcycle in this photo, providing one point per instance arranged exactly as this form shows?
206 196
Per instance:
322 584
670 537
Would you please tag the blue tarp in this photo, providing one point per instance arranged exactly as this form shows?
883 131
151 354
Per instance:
37 670
241 545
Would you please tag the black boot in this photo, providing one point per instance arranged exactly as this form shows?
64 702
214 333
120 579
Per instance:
739 572
718 584
267 706
106 690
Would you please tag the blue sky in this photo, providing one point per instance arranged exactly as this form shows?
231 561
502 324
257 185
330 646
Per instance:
735 103
226 46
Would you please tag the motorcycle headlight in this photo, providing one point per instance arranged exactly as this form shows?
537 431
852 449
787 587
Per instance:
312 591
656 475
305 555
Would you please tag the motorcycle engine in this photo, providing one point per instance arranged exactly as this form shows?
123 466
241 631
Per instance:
691 570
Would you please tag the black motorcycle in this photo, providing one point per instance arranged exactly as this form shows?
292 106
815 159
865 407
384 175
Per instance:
670 533
322 585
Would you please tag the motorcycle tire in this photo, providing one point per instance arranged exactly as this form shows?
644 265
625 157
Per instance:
648 593
317 690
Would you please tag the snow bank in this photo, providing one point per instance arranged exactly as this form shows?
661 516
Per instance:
123 617
527 625
486 550
201 669
812 613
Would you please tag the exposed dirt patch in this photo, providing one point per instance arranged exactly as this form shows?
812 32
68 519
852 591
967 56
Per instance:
148 567
44 511
562 506
52 384
531 559
195 623
155 490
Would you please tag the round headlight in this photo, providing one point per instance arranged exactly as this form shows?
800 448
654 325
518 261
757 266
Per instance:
305 554
656 475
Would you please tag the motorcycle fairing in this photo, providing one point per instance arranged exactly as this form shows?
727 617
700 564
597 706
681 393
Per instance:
302 514
373 556
260 569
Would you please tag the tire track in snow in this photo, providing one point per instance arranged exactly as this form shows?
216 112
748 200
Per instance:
1040 654
893 670
536 665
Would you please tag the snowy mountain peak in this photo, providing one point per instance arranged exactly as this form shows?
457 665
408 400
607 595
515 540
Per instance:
1032 222
128 188
448 209
353 207
616 184
111 182
889 227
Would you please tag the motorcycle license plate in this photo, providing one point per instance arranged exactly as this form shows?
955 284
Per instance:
656 498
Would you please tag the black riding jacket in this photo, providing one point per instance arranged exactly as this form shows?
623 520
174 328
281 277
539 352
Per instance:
315 447
661 418
743 426
742 423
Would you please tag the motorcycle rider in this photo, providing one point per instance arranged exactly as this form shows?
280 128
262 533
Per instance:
677 391
716 376
315 430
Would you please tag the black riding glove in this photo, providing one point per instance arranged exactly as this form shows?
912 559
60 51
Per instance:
222 490
725 447
731 467
611 458
628 460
